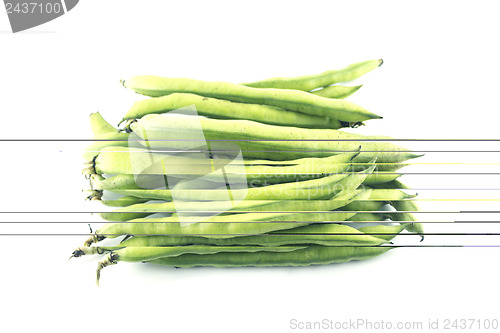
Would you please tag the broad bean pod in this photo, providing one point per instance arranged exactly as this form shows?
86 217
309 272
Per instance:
378 198
254 139
312 255
292 100
311 82
339 92
140 254
229 225
318 188
332 234
224 109
140 162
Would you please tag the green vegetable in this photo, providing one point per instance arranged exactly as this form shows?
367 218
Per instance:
280 142
138 254
230 225
323 234
311 82
293 100
219 108
339 92
312 255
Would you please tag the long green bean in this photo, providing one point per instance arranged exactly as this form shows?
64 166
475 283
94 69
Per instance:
229 225
339 92
303 190
293 100
283 143
223 109
128 161
311 82
312 255
138 254
322 234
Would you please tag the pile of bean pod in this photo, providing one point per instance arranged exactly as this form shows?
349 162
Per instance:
256 174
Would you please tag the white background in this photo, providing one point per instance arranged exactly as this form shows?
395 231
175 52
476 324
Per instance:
439 80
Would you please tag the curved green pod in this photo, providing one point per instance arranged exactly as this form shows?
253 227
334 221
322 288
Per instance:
292 100
379 198
141 254
261 140
224 109
311 82
385 232
330 234
138 254
227 226
403 214
381 178
368 217
126 181
339 92
149 251
142 162
312 255
100 126
304 190
278 205
104 135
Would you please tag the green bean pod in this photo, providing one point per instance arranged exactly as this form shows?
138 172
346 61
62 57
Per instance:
281 143
322 234
293 100
141 254
381 178
311 82
223 226
318 188
130 182
138 254
312 255
141 162
100 126
403 215
378 198
221 206
104 135
223 109
369 217
229 225
385 232
225 207
339 92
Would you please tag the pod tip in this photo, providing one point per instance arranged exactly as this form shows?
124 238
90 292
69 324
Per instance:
122 82
413 155
381 62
